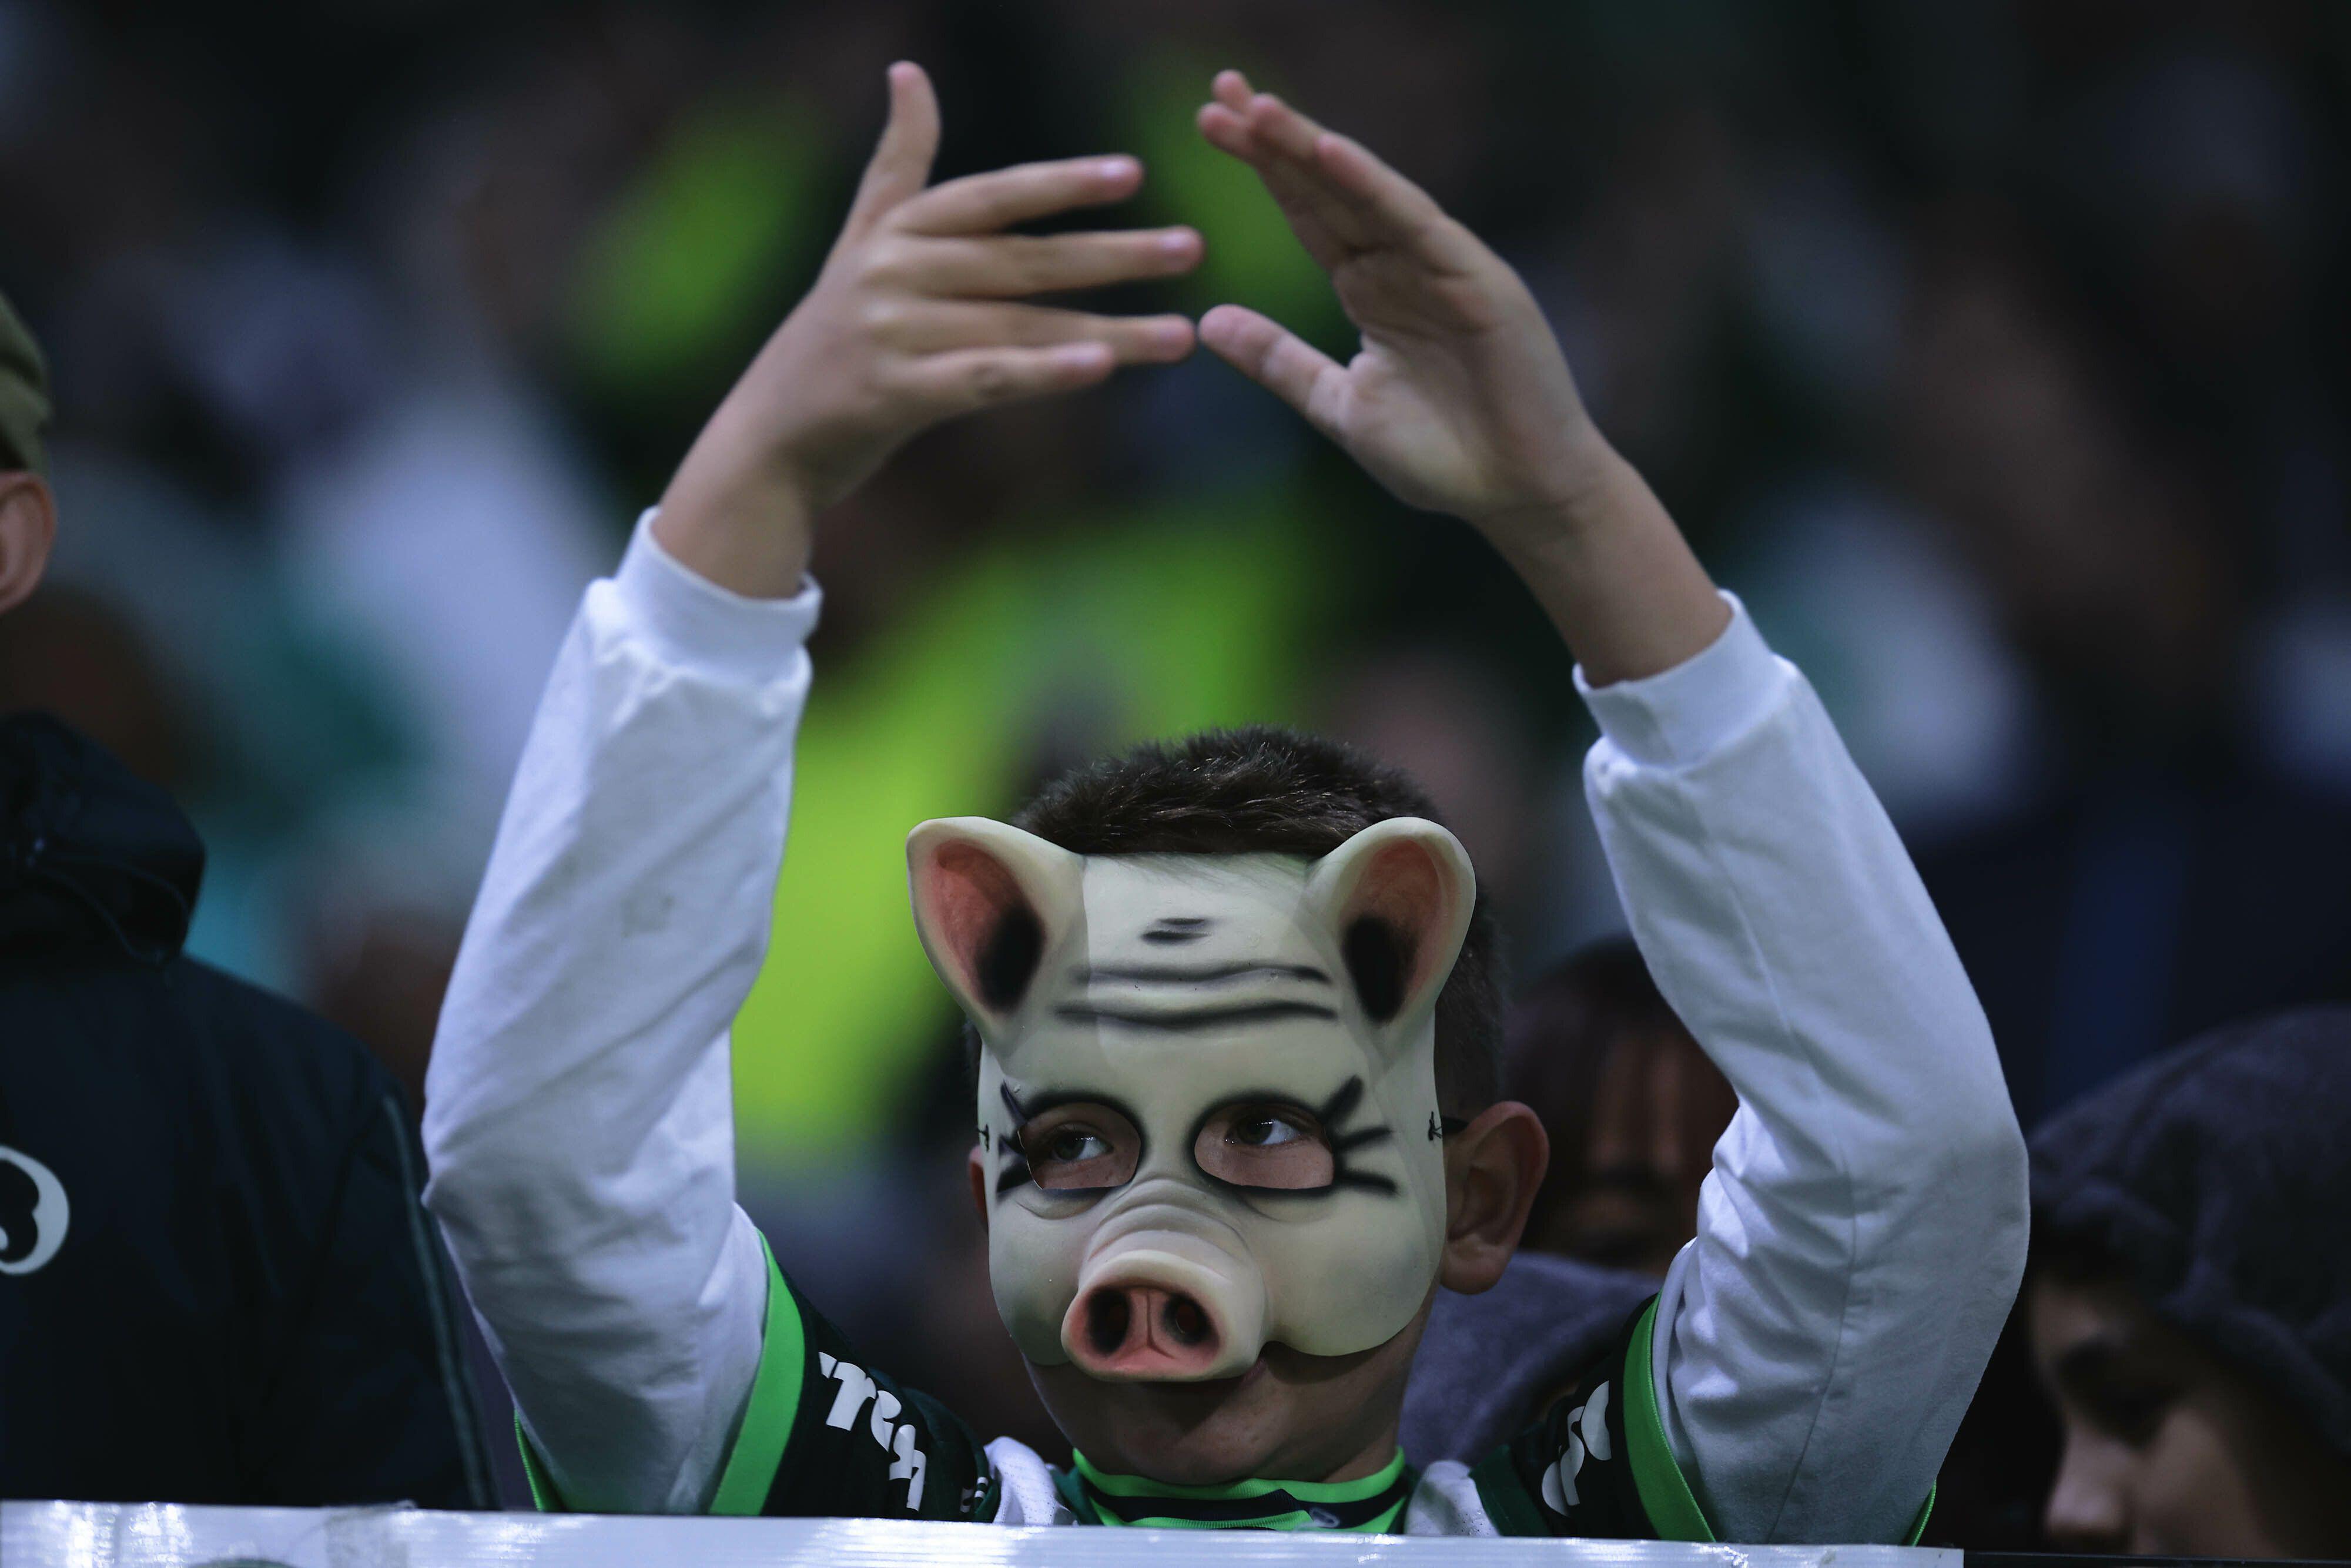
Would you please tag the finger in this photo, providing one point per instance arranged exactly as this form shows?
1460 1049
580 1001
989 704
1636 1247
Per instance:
982 203
901 164
1232 90
1376 189
1003 265
945 326
970 379
1227 129
1294 371
1327 227
1287 129
1344 171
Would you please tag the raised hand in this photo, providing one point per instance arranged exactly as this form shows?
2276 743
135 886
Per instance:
916 316
1459 400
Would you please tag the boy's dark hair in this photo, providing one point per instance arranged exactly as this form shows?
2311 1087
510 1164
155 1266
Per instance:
1263 789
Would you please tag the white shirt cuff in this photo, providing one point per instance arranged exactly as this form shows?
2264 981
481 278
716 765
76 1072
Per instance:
694 622
1684 715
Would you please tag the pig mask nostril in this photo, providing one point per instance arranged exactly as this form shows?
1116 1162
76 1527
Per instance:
1106 1320
1186 1324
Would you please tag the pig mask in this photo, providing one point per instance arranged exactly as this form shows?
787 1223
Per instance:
1208 1089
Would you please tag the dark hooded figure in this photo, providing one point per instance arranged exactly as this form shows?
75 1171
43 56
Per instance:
217 1284
2190 1297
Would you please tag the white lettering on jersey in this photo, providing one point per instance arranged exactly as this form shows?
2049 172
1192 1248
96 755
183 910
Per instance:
885 1411
1594 1424
910 1467
1588 1432
856 1387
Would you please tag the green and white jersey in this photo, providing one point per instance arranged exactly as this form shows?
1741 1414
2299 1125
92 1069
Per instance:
825 1434
1858 1244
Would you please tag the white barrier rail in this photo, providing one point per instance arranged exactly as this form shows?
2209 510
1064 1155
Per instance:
172 1535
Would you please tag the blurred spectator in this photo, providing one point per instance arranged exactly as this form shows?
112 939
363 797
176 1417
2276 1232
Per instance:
2168 875
1447 721
2191 1298
221 1287
1633 1107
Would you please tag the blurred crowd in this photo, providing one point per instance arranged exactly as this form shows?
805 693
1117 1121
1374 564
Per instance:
1992 352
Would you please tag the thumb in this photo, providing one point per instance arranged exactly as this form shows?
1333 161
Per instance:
902 162
1293 370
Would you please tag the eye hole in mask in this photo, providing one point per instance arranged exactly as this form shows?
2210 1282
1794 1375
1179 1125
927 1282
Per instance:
1268 1144
1080 1149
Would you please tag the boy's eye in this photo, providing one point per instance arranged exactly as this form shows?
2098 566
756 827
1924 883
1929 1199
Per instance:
1280 1148
1073 1148
1260 1132
1074 1143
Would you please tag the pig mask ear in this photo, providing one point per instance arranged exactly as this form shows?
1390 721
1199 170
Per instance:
990 899
1398 896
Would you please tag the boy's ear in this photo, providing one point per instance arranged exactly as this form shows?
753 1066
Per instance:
29 527
1493 1170
974 1167
1398 896
989 900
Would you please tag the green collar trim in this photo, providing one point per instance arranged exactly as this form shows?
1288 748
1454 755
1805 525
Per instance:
1371 1503
1356 1490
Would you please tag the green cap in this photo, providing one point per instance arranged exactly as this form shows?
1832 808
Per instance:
24 394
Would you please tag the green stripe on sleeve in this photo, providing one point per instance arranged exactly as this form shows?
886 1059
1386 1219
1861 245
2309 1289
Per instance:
758 1450
1918 1525
1666 1497
542 1485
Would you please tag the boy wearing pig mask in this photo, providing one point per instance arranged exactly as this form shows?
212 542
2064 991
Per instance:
1234 996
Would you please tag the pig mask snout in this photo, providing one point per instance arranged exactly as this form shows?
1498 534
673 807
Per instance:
1162 1298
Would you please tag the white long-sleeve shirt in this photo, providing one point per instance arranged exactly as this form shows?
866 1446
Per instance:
1860 1240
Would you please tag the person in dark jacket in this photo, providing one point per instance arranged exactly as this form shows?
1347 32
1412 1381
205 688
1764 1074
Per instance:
2190 1299
216 1283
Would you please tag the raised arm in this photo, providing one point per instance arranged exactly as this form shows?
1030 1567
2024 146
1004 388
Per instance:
1861 1235
578 1117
